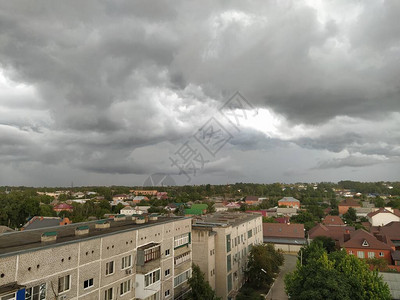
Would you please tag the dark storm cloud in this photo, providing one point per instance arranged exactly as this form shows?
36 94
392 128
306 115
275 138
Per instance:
106 79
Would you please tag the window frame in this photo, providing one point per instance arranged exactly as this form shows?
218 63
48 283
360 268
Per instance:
125 287
33 294
107 295
108 268
90 280
152 275
69 283
124 266
13 294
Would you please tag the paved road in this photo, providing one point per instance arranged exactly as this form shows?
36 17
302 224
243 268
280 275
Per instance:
277 292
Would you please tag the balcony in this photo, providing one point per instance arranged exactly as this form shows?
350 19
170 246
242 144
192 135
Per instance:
148 258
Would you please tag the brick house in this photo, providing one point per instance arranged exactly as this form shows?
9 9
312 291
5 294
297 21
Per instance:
63 207
346 204
337 233
333 221
251 200
289 202
363 244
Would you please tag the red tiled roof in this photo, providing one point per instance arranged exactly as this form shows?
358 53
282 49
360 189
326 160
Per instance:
334 232
289 199
63 206
360 237
333 220
384 211
251 198
349 202
283 230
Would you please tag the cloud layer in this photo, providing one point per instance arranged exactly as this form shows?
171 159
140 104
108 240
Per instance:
105 93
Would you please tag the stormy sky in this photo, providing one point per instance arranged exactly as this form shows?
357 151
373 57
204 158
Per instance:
110 92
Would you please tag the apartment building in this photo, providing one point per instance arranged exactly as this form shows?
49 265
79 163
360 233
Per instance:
140 257
221 243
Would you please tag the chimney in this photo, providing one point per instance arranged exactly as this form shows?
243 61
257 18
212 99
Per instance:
347 235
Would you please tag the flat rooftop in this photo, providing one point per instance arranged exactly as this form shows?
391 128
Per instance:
225 219
13 243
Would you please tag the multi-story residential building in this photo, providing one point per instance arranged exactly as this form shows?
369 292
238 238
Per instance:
221 244
125 258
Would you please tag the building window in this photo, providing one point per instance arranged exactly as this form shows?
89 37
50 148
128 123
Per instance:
11 296
108 294
228 242
151 277
181 278
371 254
167 272
182 240
365 243
63 283
167 293
152 253
126 262
360 254
110 268
229 278
249 234
182 258
350 252
36 293
381 254
228 263
167 253
88 283
125 287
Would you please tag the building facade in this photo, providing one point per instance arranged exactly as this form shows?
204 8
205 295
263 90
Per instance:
125 258
289 202
221 244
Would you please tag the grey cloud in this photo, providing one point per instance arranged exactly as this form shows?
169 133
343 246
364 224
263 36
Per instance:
350 161
112 78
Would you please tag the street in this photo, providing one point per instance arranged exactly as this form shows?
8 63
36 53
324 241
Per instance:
277 292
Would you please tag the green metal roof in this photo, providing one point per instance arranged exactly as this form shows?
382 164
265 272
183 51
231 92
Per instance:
199 206
194 211
82 227
49 233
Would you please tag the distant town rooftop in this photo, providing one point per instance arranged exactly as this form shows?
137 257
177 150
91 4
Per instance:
12 243
224 219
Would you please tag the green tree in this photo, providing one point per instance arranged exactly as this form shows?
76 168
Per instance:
47 211
334 276
200 288
376 263
304 217
326 242
269 220
379 202
264 262
350 216
210 207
